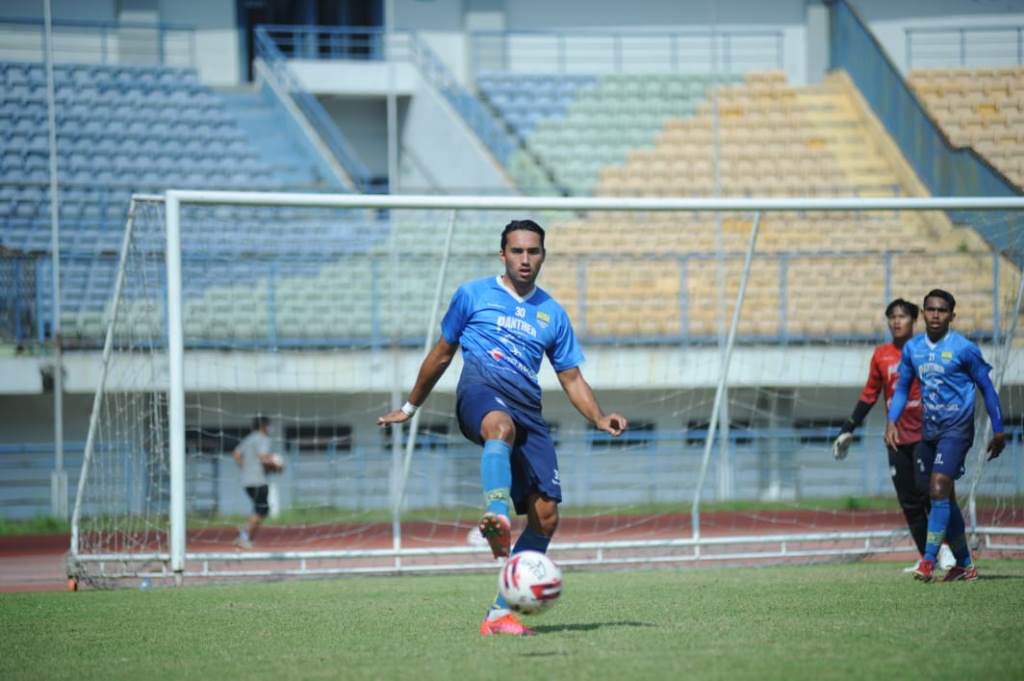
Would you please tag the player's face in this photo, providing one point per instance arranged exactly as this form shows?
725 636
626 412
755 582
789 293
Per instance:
523 257
901 324
937 316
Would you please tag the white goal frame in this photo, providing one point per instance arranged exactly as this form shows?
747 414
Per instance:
797 545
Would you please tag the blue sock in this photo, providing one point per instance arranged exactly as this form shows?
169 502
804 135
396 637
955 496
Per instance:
496 476
528 541
938 523
956 535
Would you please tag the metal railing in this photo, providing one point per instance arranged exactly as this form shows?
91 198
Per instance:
586 52
100 42
370 43
797 458
964 46
25 308
266 40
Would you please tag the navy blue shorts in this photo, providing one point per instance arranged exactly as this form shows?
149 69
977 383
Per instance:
945 455
534 462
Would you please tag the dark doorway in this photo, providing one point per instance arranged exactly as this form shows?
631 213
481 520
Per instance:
349 13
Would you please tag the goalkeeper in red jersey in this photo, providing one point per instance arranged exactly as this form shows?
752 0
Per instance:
882 377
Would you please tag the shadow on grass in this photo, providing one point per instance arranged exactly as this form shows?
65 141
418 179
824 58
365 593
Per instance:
988 578
590 626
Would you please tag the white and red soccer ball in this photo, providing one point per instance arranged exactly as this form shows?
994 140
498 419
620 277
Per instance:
530 582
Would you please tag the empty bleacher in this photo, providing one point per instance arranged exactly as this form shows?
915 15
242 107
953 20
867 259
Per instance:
773 140
981 108
312 277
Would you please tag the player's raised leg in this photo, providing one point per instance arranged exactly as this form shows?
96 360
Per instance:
498 432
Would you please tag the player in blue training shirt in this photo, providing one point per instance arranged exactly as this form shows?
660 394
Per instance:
948 367
505 325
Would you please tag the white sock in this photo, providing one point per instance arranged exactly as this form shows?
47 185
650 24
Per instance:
495 613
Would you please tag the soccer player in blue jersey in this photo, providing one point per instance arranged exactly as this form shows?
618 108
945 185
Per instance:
948 367
505 325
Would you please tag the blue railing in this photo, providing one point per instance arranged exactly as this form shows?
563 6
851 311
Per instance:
964 46
339 146
590 52
100 42
944 169
25 305
472 110
369 43
640 466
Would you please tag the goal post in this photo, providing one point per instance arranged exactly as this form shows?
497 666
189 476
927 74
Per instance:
307 307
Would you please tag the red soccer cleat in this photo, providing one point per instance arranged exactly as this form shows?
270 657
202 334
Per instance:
497 530
959 574
506 625
923 571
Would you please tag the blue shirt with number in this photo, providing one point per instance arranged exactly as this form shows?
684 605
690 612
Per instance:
948 371
504 338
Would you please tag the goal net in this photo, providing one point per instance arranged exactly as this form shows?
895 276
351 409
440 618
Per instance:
315 311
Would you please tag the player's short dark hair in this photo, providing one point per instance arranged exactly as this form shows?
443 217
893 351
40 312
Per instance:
945 295
907 306
516 225
260 421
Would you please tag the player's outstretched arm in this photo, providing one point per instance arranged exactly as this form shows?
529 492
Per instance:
433 367
979 370
582 397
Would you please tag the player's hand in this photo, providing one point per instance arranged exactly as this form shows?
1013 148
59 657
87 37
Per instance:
392 418
841 447
892 437
996 445
613 424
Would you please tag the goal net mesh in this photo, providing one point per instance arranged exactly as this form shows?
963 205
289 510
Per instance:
318 318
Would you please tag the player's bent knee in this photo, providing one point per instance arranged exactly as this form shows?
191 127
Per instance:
940 487
497 425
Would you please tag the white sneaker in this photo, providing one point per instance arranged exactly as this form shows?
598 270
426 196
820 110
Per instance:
946 559
910 568
243 543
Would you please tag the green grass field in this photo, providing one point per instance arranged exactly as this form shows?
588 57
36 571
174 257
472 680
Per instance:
803 622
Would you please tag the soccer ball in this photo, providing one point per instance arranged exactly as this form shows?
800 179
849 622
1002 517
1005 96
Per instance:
530 582
275 465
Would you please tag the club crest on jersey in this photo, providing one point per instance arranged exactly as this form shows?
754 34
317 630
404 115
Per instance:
543 319
947 355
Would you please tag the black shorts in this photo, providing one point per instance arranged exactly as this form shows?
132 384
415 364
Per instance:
258 494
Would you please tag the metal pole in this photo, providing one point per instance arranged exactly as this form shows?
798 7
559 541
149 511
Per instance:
721 275
59 477
428 340
175 387
394 185
396 397
108 344
1002 360
723 377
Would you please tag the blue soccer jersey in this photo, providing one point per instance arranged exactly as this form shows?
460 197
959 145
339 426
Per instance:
504 338
948 372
